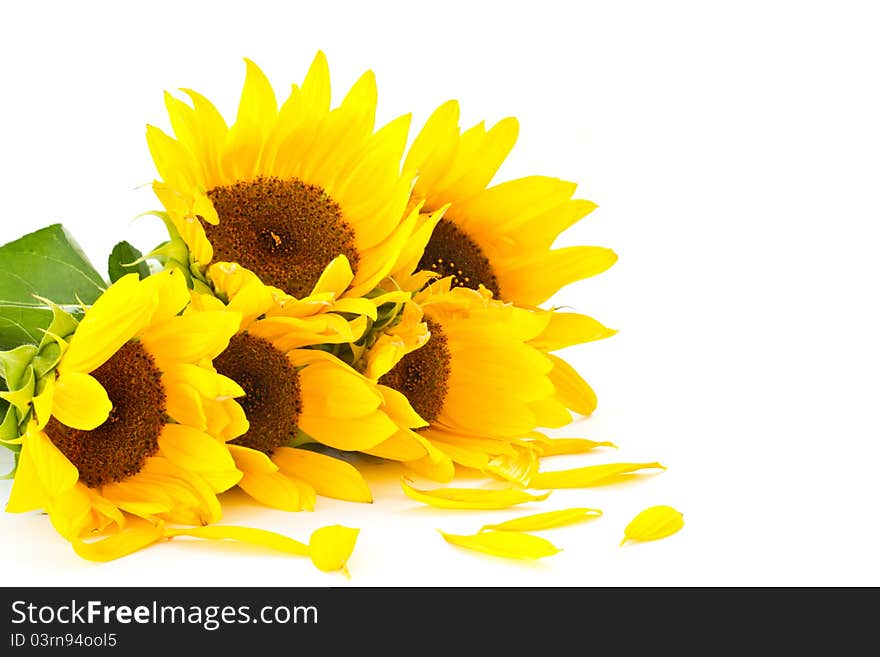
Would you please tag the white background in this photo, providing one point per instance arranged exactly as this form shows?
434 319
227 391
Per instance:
734 151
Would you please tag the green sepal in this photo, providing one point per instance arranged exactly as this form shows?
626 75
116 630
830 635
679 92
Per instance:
126 259
63 325
47 360
9 428
14 364
21 397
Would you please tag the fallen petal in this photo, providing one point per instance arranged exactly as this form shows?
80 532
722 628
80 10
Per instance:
545 520
653 523
471 498
511 545
591 475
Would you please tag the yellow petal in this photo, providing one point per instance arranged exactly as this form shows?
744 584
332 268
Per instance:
251 460
511 545
402 446
555 446
43 401
80 401
117 316
137 534
329 477
591 475
546 520
348 434
571 389
249 535
199 452
273 489
70 512
653 523
330 547
471 498
566 329
335 278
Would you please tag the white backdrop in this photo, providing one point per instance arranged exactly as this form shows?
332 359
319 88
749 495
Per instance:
734 151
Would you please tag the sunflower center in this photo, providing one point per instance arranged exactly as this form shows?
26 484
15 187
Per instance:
285 231
422 375
272 400
451 252
119 447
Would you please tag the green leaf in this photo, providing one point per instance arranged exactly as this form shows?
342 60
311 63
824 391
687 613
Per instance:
126 259
49 264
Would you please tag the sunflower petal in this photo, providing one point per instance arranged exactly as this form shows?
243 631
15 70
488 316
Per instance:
80 401
546 520
566 329
571 389
199 452
330 547
653 523
470 498
508 544
329 477
273 489
591 475
117 316
556 446
137 535
249 535
557 268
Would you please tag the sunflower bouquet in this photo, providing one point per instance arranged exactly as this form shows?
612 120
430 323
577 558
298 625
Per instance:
325 291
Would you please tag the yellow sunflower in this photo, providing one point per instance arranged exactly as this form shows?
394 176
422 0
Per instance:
129 429
297 394
500 237
284 191
477 383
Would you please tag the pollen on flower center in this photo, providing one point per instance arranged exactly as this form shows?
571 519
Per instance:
422 375
285 231
119 447
451 252
272 394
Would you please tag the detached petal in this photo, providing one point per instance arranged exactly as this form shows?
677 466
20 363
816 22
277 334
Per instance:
471 498
653 523
249 535
331 547
545 520
511 545
591 475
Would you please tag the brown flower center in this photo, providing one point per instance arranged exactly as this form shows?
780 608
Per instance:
285 231
422 375
451 252
119 447
272 401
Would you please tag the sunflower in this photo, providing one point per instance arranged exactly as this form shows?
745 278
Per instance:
297 394
284 191
476 382
500 237
128 429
